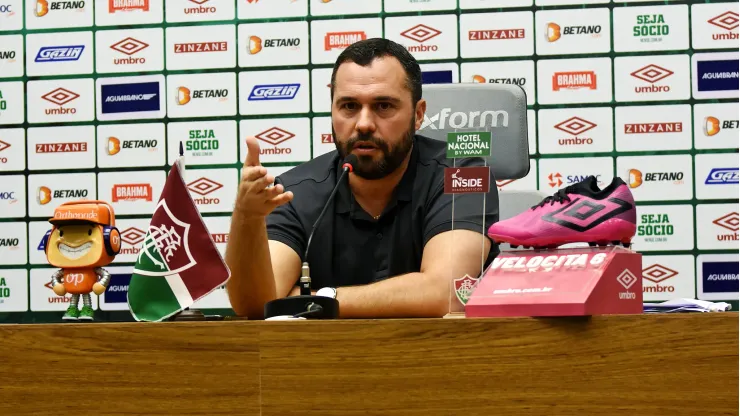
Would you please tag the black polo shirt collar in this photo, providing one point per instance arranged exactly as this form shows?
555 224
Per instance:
345 202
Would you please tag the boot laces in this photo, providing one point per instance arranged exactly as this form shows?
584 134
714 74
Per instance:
559 196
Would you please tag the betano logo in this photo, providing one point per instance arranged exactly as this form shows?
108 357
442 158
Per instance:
574 80
127 5
712 125
257 44
480 79
60 97
43 6
115 145
44 194
459 120
185 95
635 177
553 31
204 186
727 21
341 40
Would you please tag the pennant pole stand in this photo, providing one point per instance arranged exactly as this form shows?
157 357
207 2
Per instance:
186 314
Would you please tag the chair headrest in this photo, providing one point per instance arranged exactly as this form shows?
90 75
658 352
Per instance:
500 109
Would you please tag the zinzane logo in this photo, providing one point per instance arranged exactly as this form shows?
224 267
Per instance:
459 120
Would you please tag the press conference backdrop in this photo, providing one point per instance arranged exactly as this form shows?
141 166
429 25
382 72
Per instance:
96 96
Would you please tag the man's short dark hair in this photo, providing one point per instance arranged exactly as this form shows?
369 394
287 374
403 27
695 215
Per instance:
364 52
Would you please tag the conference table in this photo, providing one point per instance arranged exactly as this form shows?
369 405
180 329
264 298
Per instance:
650 364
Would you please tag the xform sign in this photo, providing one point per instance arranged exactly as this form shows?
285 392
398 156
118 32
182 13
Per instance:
497 109
463 120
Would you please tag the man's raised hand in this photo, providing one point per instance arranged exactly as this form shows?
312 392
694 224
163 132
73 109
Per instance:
255 197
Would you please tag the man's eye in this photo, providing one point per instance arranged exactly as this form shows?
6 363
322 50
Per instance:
350 106
384 106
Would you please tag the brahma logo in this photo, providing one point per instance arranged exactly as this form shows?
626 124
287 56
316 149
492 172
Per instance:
636 177
575 126
200 9
185 95
127 5
652 73
421 33
459 119
257 44
641 128
133 237
729 222
275 136
722 176
129 46
205 186
43 6
553 31
59 53
132 192
60 97
61 147
44 194
574 80
712 125
727 21
496 34
274 92
195 47
341 40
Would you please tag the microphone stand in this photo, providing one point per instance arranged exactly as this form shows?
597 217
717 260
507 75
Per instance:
306 304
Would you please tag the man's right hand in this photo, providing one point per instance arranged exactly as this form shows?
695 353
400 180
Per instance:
255 197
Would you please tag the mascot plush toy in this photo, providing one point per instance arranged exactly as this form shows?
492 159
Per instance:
83 239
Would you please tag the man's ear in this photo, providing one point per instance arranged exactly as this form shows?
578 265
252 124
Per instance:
421 109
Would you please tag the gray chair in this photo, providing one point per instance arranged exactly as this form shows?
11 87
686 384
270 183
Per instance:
497 108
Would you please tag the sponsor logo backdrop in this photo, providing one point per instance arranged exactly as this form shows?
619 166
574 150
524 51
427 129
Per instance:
95 98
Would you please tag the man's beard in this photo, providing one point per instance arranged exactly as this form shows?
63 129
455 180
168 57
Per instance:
392 158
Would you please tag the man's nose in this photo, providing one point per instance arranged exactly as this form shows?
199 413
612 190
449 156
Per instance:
366 121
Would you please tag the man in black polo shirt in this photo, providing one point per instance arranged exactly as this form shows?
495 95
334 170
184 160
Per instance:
386 245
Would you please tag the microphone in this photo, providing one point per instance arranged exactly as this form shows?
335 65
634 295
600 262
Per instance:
306 304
